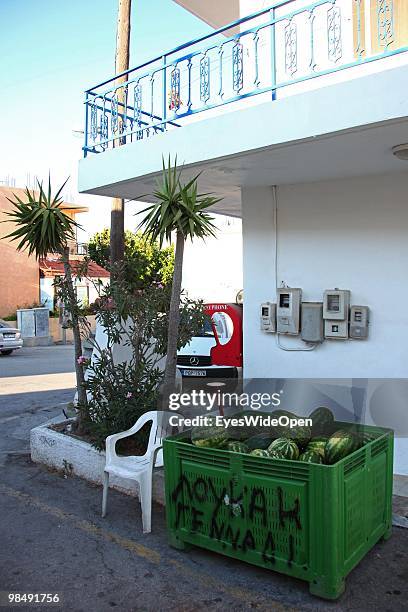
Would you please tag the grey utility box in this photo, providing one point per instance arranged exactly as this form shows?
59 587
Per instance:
34 324
359 320
312 322
288 310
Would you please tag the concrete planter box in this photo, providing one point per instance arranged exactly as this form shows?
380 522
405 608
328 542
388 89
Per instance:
72 456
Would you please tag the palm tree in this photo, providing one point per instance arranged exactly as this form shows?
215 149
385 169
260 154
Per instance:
43 228
179 209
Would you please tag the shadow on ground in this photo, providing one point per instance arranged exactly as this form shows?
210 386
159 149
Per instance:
31 401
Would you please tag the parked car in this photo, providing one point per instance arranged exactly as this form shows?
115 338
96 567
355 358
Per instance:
216 353
10 338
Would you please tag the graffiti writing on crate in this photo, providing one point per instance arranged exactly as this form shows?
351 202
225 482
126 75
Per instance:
246 503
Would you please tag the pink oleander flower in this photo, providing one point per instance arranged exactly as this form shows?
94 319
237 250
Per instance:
82 360
129 395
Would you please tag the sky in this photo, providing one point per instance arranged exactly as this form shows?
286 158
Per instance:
50 52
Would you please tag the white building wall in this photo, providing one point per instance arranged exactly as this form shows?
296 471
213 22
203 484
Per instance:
350 234
212 269
47 292
94 293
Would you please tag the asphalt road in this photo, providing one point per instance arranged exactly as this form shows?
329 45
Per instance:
34 385
53 539
34 378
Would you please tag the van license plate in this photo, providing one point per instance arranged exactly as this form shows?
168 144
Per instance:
194 373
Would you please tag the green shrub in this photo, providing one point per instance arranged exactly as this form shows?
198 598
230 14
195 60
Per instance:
144 261
118 394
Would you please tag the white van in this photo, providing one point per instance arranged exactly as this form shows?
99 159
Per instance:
194 359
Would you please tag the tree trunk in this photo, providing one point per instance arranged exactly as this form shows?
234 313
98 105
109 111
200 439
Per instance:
174 322
117 247
82 399
117 237
123 37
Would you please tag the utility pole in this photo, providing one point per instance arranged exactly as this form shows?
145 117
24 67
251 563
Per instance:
117 246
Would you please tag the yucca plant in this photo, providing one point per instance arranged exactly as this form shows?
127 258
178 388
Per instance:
43 228
179 210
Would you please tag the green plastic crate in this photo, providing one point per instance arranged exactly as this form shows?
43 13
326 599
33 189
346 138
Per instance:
314 522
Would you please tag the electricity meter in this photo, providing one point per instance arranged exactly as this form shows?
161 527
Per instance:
288 310
268 317
359 319
312 322
336 304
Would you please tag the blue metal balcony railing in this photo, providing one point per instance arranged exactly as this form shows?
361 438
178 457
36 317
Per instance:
273 52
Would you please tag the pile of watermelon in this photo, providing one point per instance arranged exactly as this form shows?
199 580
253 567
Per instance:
321 444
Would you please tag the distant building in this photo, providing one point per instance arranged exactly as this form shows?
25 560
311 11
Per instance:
24 280
86 288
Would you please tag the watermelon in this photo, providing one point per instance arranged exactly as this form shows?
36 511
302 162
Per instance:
317 445
237 432
361 437
286 447
358 441
301 435
274 454
237 447
211 436
280 431
366 437
323 421
214 440
260 441
276 414
357 434
311 457
259 452
339 445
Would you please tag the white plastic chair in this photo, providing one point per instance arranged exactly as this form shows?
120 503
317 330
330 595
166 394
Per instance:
139 468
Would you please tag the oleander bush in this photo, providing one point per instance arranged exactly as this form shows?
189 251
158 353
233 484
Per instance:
119 393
